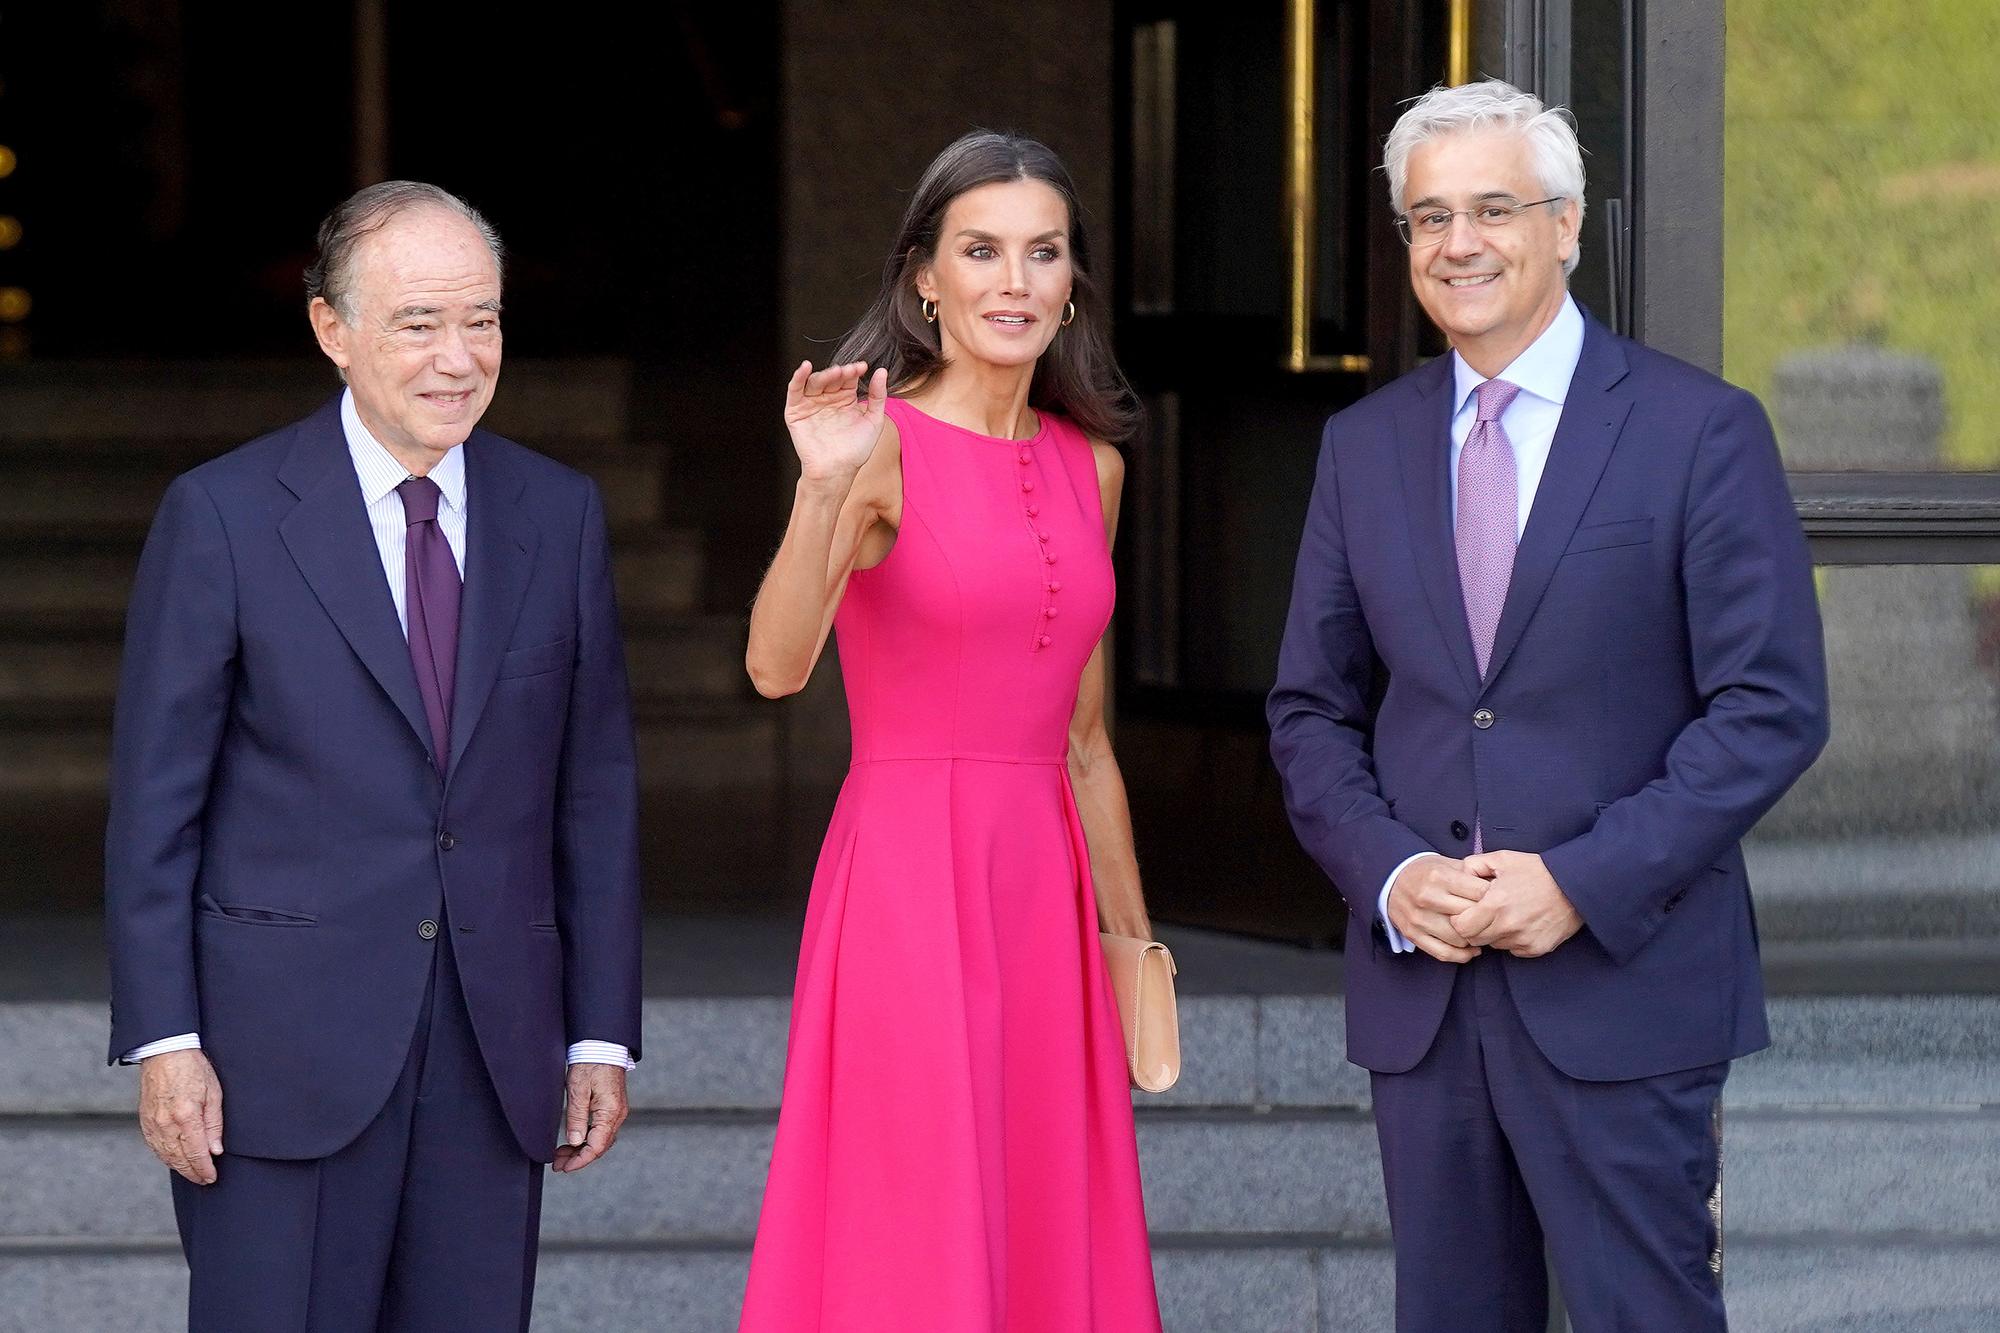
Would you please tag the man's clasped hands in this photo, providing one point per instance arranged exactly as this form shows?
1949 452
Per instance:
1452 909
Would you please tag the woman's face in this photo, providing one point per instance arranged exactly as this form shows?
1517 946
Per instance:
1002 273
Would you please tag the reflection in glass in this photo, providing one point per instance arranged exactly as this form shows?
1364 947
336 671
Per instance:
1599 92
1861 198
1895 832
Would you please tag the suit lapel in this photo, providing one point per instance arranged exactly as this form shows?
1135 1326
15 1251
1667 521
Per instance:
1423 439
1592 417
500 555
330 540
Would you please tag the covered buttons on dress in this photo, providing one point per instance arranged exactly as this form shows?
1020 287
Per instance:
1031 511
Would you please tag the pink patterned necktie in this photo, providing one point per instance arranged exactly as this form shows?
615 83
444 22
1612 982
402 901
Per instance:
1486 528
1488 512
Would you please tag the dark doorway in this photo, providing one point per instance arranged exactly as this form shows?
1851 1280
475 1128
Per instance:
174 159
1261 288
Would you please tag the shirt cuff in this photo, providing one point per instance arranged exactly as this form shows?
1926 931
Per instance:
1398 943
187 1041
601 1053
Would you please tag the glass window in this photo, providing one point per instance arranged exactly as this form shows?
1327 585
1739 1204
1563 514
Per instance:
1893 834
1599 95
1861 204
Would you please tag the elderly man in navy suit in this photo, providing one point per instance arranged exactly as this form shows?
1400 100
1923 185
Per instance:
371 867
1552 651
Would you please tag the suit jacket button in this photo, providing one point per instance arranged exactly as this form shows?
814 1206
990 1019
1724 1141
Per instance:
1483 718
427 930
446 841
1459 830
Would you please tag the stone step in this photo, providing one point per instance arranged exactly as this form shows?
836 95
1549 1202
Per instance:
43 762
659 574
676 656
686 656
88 583
1863 1157
1771 1287
133 402
64 495
47 583
1938 886
699 745
698 1177
1800 1277
699 1289
54 726
684 745
1877 965
1849 1054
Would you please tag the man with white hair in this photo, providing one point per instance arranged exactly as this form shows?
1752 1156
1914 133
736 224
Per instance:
1553 649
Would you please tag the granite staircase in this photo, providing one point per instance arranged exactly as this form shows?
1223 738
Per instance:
1861 1184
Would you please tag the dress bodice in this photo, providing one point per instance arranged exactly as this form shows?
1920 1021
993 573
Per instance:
970 638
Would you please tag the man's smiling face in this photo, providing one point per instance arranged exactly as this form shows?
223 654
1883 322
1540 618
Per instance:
422 354
1492 290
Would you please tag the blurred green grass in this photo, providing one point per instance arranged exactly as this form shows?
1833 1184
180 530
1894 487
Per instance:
1861 196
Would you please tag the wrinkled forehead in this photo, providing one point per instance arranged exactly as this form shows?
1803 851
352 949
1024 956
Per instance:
426 252
1469 166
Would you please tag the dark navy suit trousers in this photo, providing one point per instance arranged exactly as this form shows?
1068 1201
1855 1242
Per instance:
1485 1144
426 1223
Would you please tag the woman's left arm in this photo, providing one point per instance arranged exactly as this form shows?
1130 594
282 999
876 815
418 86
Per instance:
1093 771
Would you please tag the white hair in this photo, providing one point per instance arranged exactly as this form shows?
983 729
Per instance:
1491 104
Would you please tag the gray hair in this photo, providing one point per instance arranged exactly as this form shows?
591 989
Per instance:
367 211
1492 104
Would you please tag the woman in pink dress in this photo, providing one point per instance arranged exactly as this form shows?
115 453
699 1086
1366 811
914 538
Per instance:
955 1150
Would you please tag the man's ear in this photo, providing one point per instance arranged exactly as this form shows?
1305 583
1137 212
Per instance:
331 330
1569 223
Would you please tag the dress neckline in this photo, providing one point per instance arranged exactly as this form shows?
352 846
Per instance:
1041 426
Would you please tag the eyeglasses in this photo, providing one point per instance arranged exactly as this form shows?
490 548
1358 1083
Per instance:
1429 226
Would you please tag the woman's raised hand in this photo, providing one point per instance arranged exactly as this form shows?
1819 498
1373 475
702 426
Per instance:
833 426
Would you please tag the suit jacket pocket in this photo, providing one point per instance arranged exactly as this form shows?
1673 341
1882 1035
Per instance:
543 657
1603 536
249 915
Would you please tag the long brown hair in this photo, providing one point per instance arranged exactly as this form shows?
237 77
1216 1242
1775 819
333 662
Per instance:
1077 376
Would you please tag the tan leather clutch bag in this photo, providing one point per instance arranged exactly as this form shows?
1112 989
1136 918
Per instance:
1142 977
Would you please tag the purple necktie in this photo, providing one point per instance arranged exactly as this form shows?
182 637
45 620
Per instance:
430 608
1486 527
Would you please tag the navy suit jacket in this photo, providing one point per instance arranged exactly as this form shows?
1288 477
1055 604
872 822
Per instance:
1657 682
278 831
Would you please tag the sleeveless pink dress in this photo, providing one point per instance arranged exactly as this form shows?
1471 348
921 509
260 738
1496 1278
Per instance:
955 1150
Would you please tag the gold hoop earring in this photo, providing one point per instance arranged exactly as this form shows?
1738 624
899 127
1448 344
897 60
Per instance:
929 307
1069 313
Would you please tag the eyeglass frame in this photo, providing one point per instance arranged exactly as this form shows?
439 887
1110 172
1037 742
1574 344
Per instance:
1407 232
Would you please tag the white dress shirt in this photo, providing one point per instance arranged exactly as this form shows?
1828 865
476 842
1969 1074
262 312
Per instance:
380 474
1542 373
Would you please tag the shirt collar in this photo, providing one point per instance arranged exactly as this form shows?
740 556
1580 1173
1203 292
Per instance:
1544 369
379 471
